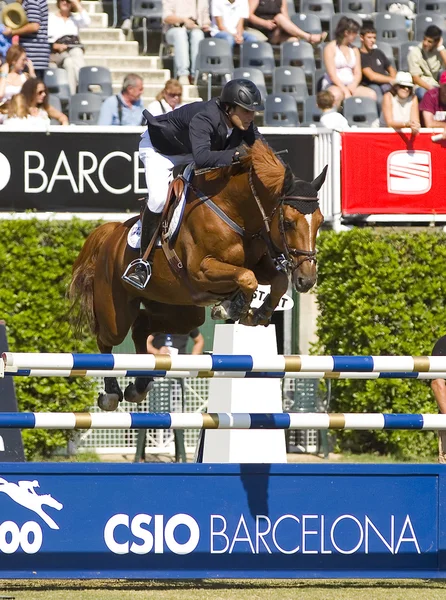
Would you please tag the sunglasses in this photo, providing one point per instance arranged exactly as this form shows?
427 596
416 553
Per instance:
406 87
173 95
40 93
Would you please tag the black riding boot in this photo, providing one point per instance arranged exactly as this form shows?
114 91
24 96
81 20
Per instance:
143 271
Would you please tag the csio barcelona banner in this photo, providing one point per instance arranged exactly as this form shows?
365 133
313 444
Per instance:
201 520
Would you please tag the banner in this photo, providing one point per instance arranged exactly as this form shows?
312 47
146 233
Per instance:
387 173
72 170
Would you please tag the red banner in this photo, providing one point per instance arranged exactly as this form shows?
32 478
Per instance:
387 173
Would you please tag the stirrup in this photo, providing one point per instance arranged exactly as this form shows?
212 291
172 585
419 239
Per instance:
130 270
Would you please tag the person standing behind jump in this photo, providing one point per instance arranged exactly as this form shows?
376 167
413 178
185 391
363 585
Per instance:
438 387
212 134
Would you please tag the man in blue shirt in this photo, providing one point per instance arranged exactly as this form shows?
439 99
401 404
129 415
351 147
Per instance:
124 108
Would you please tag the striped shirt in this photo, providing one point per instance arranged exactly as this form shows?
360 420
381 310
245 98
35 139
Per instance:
36 45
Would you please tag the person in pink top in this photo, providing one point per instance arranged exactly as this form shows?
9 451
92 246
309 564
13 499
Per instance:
433 107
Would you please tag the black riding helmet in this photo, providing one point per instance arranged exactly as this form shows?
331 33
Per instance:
244 93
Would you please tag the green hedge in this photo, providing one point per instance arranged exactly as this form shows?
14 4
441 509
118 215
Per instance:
382 292
35 266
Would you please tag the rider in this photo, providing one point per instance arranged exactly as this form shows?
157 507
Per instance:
210 134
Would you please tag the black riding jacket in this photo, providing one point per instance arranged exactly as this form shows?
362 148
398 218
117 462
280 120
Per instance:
199 129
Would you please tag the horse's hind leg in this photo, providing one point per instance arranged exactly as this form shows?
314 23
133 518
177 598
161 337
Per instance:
136 392
111 396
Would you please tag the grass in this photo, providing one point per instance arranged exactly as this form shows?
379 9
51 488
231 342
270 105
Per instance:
368 589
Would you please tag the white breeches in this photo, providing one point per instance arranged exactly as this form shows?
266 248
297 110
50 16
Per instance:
159 172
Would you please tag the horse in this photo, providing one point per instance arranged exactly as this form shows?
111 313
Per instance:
250 223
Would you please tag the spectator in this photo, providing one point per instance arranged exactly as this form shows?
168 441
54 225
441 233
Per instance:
63 35
330 118
438 387
186 23
427 60
168 99
34 35
19 115
377 72
36 96
271 18
126 15
400 105
124 108
5 41
12 72
228 18
433 106
343 64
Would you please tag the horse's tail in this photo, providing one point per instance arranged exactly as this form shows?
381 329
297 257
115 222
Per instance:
80 291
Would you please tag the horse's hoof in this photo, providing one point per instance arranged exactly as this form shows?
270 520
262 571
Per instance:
131 394
249 319
219 312
108 402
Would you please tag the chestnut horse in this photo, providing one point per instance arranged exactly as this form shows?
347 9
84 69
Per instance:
250 223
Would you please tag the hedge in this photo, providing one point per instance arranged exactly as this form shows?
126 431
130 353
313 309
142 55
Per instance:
36 259
382 292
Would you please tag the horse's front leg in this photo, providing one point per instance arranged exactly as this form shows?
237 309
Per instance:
222 279
137 392
111 396
267 273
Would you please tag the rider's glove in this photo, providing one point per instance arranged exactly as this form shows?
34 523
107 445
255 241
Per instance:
240 153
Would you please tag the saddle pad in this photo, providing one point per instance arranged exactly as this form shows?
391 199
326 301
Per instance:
134 236
177 215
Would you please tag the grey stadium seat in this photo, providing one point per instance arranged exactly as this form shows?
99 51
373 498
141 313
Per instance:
432 6
382 6
312 112
281 111
214 58
92 77
362 8
387 50
259 55
423 21
361 112
255 75
403 53
323 9
308 22
391 28
85 109
290 80
56 80
147 17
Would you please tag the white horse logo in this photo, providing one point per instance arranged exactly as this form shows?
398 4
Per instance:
24 493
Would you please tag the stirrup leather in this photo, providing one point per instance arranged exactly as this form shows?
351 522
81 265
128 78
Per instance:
138 262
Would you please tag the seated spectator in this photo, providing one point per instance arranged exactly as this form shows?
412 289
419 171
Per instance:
36 96
427 60
271 18
19 115
433 106
343 63
124 108
168 99
5 41
330 118
126 15
186 23
377 72
63 35
400 105
228 21
14 72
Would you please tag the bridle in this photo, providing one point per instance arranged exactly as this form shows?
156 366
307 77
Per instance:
302 255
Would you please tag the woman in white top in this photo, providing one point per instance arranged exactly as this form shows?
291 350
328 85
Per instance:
12 72
36 96
63 35
168 99
19 116
343 64
400 105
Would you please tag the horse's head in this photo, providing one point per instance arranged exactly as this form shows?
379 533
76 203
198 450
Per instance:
295 225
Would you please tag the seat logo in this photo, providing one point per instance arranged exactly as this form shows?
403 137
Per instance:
409 172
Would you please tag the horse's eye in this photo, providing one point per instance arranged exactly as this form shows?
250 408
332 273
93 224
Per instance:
287 225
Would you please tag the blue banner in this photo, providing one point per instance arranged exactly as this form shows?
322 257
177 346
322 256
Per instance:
197 520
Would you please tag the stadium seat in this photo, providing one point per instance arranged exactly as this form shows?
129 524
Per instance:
323 9
317 80
290 80
423 21
437 7
361 112
56 80
147 16
254 75
85 108
291 7
404 50
298 54
391 28
95 77
312 112
308 23
214 59
57 104
362 8
382 6
281 111
387 50
259 55
337 17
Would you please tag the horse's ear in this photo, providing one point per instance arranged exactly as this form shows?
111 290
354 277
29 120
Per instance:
319 181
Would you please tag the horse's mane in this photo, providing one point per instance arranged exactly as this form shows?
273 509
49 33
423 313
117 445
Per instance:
267 166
